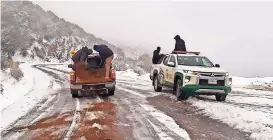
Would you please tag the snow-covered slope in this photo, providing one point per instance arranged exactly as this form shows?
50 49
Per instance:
265 83
28 29
18 97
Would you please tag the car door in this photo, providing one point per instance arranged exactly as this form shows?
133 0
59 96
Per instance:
162 71
170 70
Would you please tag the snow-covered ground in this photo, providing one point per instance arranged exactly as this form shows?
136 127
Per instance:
252 82
245 109
19 97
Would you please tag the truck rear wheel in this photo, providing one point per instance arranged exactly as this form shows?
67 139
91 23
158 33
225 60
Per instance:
74 93
179 93
157 88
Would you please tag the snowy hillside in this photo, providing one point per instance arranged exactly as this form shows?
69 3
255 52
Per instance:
30 30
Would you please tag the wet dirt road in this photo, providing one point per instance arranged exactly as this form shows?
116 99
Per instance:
129 114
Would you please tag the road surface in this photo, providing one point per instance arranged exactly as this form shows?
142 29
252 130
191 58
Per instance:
131 114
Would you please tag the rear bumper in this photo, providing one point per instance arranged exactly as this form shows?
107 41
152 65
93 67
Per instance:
206 90
108 85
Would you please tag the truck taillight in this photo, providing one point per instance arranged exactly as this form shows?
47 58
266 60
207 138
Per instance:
113 74
72 77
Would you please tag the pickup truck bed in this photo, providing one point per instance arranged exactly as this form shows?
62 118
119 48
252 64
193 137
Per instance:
92 80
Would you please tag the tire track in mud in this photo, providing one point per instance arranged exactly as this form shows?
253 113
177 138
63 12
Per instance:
141 128
147 118
213 131
197 125
247 106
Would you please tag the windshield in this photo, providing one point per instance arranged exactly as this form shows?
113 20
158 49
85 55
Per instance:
194 61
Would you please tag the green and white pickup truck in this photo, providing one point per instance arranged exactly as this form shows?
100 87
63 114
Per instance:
190 74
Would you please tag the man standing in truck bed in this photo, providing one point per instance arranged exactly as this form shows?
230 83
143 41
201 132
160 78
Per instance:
107 56
81 55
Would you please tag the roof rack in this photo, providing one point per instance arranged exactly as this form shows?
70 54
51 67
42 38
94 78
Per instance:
185 52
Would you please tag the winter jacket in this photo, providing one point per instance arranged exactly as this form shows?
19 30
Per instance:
156 57
81 55
179 44
104 51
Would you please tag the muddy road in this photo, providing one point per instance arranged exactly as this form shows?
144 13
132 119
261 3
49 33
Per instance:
131 114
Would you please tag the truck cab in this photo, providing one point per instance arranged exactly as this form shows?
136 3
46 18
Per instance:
189 74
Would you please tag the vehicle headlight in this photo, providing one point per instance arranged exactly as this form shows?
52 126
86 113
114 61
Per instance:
227 74
186 71
190 72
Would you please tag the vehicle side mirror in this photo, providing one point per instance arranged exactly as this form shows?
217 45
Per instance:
171 64
217 65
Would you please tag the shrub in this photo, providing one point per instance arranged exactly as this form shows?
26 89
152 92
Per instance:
15 71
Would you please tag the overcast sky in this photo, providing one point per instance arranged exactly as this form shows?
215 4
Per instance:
236 35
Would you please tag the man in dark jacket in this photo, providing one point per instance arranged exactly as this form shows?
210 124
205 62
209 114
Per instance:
156 55
179 44
107 56
81 55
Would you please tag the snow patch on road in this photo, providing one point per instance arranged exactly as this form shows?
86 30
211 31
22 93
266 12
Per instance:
131 91
130 75
98 126
94 115
62 67
248 114
162 135
19 97
73 124
166 120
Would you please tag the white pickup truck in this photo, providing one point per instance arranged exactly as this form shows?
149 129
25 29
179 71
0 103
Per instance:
189 74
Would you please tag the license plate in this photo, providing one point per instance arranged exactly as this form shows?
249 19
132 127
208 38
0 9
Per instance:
212 81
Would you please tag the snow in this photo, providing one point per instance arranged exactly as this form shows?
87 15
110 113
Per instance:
95 125
94 115
131 91
63 67
74 121
241 82
130 75
247 111
166 120
19 97
162 135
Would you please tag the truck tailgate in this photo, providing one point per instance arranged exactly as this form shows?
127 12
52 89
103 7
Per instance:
90 76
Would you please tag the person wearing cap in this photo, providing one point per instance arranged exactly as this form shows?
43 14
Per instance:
107 56
179 44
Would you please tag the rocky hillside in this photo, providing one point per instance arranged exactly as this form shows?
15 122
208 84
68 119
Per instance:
29 29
